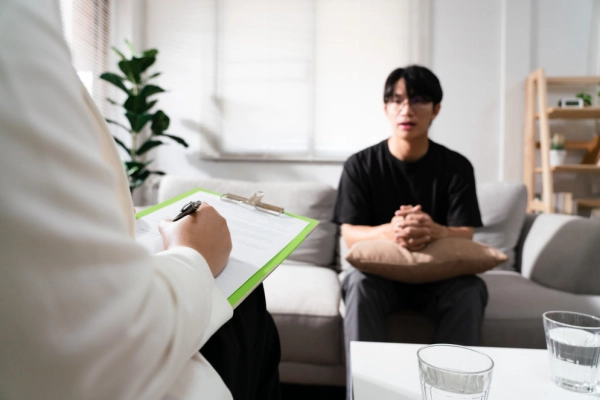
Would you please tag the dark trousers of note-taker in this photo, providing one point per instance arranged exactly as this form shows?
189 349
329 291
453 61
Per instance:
246 351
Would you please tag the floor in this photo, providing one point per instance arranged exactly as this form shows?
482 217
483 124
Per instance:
297 392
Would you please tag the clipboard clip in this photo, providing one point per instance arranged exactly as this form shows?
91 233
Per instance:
254 200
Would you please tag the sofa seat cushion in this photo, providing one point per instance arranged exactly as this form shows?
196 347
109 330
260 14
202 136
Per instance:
309 199
304 302
515 307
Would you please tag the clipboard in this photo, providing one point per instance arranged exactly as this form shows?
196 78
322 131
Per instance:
272 235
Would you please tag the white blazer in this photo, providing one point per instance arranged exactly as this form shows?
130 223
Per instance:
85 312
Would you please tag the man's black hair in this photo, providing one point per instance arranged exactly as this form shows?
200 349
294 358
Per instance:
419 81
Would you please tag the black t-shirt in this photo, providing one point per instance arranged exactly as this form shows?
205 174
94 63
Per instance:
374 184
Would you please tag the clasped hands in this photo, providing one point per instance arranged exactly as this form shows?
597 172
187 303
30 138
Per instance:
414 229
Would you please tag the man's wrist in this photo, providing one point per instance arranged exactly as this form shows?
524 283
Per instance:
439 231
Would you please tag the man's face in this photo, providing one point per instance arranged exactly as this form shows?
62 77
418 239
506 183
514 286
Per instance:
410 117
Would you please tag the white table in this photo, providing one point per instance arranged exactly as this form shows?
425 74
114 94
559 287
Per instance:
390 371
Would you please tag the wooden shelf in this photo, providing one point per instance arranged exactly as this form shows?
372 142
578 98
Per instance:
572 113
537 130
573 80
572 145
588 203
537 205
573 168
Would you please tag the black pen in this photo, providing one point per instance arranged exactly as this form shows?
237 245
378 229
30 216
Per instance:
188 209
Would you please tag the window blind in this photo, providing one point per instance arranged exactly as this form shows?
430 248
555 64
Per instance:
303 79
86 27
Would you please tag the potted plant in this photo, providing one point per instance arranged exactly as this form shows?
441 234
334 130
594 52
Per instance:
558 154
147 128
586 97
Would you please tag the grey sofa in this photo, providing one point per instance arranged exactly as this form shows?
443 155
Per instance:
554 263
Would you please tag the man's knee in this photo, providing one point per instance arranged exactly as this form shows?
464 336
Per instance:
357 283
471 290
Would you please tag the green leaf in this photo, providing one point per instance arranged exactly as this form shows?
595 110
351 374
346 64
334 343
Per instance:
138 121
150 90
120 143
119 53
148 144
135 104
150 53
157 172
130 45
160 122
152 76
131 69
138 180
136 164
111 121
175 138
115 80
150 105
145 63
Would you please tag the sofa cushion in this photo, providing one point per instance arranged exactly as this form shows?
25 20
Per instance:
503 207
513 316
442 259
313 200
304 302
563 252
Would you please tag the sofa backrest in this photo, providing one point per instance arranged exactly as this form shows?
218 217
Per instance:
503 207
309 199
563 252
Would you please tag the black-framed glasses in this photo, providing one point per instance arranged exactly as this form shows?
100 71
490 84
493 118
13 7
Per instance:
416 102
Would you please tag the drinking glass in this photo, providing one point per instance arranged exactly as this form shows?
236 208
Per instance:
573 342
454 372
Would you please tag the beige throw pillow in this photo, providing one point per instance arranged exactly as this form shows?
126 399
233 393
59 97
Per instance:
442 259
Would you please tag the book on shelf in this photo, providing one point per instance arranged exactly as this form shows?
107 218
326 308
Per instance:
562 202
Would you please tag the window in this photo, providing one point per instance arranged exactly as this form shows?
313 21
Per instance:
303 79
86 26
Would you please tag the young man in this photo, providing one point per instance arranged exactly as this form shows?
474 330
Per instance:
86 312
410 190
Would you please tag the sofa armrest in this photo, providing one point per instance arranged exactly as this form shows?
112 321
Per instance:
563 252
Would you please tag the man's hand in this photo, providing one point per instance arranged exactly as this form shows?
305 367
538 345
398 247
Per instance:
205 231
414 229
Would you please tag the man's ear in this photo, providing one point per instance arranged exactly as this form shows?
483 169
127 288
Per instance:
436 109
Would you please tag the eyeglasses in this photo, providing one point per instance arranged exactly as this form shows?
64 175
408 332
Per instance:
415 102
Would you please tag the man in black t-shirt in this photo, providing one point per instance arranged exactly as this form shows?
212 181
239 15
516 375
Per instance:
410 190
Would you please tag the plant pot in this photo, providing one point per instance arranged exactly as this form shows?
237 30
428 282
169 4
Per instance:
557 157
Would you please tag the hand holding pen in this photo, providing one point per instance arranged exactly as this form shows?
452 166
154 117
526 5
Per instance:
188 209
205 231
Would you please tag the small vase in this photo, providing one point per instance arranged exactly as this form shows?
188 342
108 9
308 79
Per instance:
557 157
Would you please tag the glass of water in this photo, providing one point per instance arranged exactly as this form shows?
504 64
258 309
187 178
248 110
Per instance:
454 372
573 342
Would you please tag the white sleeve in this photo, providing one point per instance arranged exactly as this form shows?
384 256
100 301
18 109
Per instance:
85 312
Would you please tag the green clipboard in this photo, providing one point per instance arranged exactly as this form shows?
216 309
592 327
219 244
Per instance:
256 279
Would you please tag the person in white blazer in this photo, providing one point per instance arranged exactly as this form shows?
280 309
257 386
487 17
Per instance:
85 312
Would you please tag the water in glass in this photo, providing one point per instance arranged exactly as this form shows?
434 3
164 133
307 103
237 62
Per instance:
574 358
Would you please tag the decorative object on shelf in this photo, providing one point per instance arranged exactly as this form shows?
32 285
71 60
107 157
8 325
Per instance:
558 154
586 97
137 106
570 102
592 151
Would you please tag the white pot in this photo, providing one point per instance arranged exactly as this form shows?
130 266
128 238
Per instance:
557 157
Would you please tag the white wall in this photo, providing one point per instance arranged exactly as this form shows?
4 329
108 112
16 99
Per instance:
481 50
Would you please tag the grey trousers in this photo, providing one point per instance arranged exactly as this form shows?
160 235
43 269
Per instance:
455 305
